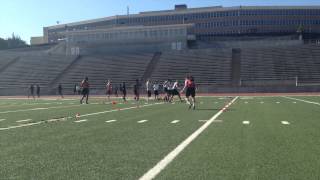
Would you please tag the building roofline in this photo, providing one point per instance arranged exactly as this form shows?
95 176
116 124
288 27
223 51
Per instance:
184 11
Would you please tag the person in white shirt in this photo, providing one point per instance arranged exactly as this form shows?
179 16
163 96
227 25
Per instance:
148 87
156 90
174 91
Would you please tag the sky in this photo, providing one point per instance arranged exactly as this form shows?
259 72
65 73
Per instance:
26 18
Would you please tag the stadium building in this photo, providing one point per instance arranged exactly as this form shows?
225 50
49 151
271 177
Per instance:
185 27
227 49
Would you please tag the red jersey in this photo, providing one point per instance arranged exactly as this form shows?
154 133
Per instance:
85 84
190 84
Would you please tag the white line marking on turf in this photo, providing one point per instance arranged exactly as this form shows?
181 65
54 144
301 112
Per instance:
203 120
261 102
103 112
113 120
245 122
285 122
175 121
311 102
40 122
294 102
82 120
278 102
218 121
24 120
142 121
153 172
35 109
22 125
2 120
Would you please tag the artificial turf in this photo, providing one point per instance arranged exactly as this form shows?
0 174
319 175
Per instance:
125 149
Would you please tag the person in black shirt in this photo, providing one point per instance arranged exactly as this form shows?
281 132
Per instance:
60 90
123 88
38 91
32 91
136 90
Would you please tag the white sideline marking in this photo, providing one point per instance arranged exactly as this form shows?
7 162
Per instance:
261 102
311 102
245 122
40 122
153 172
142 121
39 109
94 103
175 121
203 120
103 112
82 120
54 120
111 121
22 125
2 120
278 102
24 120
35 109
246 102
285 122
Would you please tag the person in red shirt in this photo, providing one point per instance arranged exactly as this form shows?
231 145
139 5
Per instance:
85 90
190 87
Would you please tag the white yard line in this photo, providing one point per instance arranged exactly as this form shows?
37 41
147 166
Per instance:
24 120
2 120
153 172
175 121
202 120
142 121
52 120
22 125
110 121
245 122
310 102
82 120
36 109
103 112
285 122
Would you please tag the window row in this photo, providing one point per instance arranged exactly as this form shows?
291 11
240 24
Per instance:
128 35
258 22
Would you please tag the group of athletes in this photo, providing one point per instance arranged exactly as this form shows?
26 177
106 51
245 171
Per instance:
170 89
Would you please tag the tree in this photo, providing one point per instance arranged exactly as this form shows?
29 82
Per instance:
12 42
3 44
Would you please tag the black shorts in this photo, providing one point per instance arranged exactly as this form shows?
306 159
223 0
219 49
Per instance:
109 92
175 92
156 92
149 93
85 91
136 92
166 90
169 92
191 92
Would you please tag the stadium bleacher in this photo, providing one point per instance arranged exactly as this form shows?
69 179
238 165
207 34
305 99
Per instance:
210 66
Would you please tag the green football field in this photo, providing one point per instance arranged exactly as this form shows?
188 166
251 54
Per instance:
224 138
